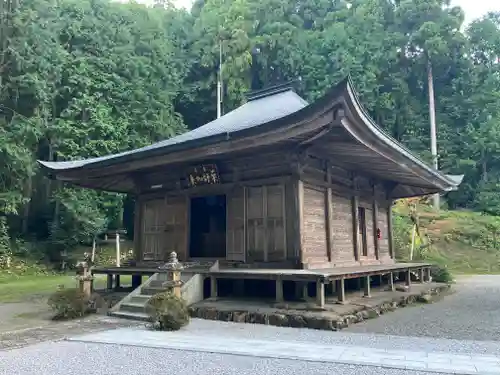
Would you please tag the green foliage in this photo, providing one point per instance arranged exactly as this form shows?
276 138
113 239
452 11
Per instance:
5 245
441 275
167 312
87 78
77 80
71 303
461 241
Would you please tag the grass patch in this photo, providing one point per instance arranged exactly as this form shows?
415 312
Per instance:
465 242
28 287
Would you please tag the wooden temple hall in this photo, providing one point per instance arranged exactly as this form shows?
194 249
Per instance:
277 192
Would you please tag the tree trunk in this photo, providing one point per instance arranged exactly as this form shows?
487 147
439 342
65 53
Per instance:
28 190
484 167
432 118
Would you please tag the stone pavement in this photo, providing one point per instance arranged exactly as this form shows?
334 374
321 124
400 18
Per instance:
440 362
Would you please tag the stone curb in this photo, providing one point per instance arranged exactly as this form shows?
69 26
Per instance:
304 319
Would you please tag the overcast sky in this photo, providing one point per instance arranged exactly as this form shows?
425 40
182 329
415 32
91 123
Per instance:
473 8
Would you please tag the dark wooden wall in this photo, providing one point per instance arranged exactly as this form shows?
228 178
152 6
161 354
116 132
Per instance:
279 208
330 198
260 210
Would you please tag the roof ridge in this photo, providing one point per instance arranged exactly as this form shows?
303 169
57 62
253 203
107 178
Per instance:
271 90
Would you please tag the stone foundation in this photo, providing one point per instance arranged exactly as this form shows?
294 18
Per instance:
326 320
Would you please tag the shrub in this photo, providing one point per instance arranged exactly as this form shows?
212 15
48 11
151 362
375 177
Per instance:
167 312
441 274
71 303
5 245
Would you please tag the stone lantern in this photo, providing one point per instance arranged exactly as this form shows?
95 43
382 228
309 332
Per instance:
174 275
84 277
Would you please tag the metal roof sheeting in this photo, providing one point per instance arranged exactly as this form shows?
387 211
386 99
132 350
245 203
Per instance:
258 111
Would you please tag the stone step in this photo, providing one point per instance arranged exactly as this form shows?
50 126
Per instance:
156 284
130 315
140 298
149 291
133 307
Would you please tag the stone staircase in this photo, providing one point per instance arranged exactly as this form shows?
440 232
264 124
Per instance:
133 306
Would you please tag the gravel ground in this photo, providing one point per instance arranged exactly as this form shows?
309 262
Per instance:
71 358
449 325
471 313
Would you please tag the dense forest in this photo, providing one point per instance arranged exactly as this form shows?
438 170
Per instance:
81 78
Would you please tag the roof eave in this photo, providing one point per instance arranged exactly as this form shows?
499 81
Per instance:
441 181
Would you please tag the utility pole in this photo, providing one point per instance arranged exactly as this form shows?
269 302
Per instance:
432 118
219 82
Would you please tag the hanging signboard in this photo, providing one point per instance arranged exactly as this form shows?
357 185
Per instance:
206 174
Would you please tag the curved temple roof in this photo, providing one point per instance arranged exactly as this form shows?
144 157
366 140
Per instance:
266 112
270 105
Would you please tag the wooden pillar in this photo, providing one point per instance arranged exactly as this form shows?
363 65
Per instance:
328 213
264 215
367 291
320 293
117 282
109 284
137 229
279 290
428 272
355 226
213 287
408 278
341 291
391 282
375 221
305 291
389 230
421 275
299 236
136 281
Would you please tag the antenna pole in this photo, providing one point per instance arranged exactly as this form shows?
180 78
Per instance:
219 82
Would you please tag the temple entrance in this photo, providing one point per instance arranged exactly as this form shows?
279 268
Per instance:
208 227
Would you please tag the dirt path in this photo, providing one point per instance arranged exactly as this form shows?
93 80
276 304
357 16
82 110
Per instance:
19 315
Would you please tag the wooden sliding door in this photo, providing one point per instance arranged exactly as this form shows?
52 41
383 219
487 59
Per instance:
265 229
